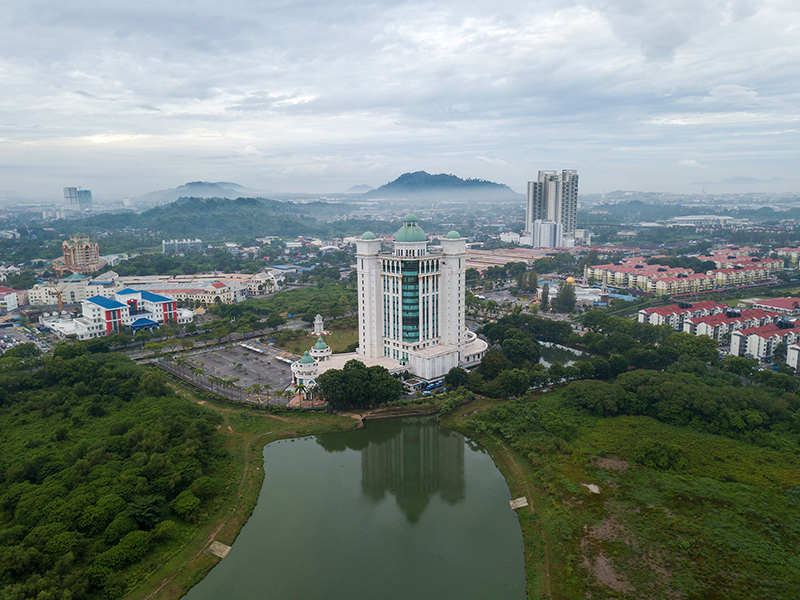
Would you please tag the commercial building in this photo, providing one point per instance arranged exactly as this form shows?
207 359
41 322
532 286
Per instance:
554 198
411 302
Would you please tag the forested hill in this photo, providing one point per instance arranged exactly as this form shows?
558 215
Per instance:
421 183
215 218
104 470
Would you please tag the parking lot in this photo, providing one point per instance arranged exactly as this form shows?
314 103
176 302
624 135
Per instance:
259 370
13 336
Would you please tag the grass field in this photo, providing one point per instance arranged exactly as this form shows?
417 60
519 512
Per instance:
338 340
724 523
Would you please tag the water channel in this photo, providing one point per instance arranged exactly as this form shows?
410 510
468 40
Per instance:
555 353
400 509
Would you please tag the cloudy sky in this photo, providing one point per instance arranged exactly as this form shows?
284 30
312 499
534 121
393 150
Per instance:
128 97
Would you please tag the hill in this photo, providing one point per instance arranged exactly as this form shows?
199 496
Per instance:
239 219
199 189
442 186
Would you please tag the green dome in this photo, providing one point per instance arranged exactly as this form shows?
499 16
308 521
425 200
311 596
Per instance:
453 235
320 345
368 235
410 231
306 360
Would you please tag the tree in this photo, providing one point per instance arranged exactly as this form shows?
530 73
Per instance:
492 364
519 346
358 386
456 378
565 302
544 299
515 382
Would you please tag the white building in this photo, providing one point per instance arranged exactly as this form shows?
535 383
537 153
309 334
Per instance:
793 356
547 234
411 302
8 300
553 197
102 316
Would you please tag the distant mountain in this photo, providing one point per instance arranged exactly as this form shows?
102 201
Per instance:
198 189
358 189
442 186
742 181
235 186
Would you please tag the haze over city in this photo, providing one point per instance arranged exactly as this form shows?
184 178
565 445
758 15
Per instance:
317 97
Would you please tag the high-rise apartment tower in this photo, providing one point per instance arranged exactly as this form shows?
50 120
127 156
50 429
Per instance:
554 198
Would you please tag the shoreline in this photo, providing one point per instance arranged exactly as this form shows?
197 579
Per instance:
184 567
248 430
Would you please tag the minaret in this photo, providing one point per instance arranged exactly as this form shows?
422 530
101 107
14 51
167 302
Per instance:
370 315
604 289
451 310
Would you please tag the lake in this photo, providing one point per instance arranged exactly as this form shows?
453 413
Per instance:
400 509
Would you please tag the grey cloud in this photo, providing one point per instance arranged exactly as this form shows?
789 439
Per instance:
260 88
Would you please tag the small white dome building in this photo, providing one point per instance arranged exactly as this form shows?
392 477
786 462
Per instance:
321 351
305 371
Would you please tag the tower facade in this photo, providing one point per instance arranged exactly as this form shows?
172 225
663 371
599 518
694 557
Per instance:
411 302
554 198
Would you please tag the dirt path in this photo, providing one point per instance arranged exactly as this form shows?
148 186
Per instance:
510 459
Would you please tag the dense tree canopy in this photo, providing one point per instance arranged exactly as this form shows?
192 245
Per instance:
101 466
358 386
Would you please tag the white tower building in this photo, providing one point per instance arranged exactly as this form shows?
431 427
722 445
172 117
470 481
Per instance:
553 197
411 302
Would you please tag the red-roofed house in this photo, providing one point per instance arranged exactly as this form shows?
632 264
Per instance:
786 306
675 316
716 326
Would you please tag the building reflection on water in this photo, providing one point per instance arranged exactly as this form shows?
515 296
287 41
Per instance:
410 459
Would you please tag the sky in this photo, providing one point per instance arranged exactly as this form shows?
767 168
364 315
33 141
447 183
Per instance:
312 96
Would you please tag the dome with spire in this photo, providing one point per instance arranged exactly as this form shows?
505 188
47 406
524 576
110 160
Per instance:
306 360
320 345
410 231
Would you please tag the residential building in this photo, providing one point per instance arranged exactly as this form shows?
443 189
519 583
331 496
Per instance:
553 197
411 302
719 325
547 234
793 356
81 255
182 246
8 300
78 196
677 314
785 306
760 342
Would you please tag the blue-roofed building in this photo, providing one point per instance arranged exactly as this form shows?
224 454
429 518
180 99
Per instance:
161 309
104 316
129 308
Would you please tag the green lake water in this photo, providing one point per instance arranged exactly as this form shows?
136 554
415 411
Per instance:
401 509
